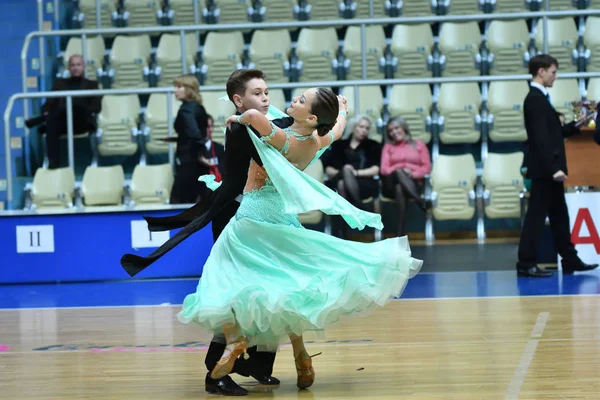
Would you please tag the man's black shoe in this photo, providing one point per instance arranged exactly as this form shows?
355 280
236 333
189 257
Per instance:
569 268
532 271
224 386
266 380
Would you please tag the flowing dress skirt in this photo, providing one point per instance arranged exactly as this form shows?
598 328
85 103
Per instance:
273 277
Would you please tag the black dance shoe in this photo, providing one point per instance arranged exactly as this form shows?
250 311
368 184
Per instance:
224 386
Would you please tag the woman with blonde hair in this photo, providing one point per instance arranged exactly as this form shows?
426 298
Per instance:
404 163
190 124
353 163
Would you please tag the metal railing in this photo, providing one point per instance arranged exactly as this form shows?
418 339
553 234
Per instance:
301 24
167 90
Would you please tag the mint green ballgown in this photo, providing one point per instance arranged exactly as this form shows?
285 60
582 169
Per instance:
273 277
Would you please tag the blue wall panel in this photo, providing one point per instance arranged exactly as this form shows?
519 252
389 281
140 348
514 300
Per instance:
88 247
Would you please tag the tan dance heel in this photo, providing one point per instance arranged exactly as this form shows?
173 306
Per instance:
225 364
306 373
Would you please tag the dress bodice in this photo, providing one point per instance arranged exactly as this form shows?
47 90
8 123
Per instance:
294 151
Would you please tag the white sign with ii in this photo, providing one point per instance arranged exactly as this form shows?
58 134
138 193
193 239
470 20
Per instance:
141 237
35 238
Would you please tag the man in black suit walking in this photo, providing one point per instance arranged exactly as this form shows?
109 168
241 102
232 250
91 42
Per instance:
547 169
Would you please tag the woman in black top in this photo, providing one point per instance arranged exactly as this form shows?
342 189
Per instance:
190 125
352 163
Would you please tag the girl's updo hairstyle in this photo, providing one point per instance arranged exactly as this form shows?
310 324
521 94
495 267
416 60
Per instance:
325 107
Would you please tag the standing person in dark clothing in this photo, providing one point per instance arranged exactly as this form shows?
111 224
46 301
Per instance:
214 153
190 125
85 109
547 168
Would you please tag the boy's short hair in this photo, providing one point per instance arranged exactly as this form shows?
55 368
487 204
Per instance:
238 80
544 61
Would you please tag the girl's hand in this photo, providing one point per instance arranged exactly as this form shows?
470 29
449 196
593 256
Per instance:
343 103
231 120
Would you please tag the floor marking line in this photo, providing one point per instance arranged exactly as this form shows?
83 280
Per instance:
516 383
540 325
369 344
401 299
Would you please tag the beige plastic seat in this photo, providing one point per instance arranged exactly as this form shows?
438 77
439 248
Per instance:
411 45
168 56
562 40
88 8
317 48
562 93
233 11
561 5
459 43
416 8
220 111
128 57
503 183
505 6
277 98
505 104
464 7
324 9
459 105
53 188
316 171
375 46
151 184
156 118
142 12
507 41
413 103
453 182
221 55
184 12
363 11
103 186
591 41
279 10
370 103
116 121
269 49
593 90
95 54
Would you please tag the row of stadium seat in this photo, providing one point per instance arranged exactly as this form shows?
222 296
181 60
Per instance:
318 55
454 187
100 186
453 112
134 13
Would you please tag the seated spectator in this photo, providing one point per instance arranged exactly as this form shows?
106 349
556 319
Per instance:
190 125
404 164
85 109
353 163
213 156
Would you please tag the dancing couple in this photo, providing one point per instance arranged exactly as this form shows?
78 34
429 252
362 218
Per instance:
267 277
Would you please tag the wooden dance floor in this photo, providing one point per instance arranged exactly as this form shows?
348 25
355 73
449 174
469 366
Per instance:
481 348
